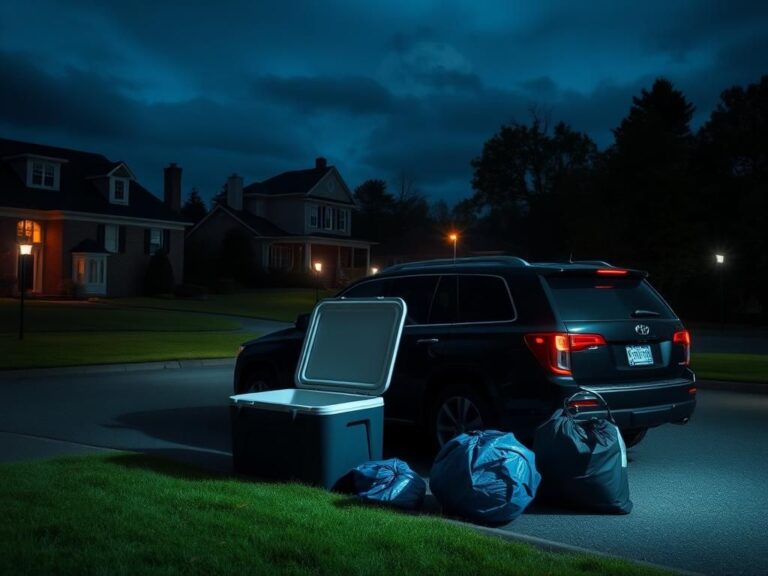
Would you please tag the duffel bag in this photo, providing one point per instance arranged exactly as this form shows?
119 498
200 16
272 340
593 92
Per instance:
485 476
583 459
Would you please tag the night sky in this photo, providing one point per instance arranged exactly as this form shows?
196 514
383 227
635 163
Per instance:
416 88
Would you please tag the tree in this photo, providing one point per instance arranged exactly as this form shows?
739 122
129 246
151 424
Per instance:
524 181
194 208
650 203
732 169
376 210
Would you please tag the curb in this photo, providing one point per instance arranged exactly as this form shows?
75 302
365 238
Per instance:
561 548
113 368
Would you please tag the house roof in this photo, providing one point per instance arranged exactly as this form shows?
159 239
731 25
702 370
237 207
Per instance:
259 225
77 187
293 182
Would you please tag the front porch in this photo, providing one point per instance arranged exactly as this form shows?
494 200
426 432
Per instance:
341 262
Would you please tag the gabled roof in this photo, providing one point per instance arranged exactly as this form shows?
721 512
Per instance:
77 188
293 182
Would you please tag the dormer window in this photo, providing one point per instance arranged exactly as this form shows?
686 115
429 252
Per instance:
43 174
118 190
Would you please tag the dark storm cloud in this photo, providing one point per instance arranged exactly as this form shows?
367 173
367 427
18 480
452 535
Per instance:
74 101
357 95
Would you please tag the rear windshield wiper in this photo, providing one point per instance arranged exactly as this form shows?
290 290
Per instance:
645 314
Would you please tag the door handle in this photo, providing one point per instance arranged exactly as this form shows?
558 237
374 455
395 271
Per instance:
428 341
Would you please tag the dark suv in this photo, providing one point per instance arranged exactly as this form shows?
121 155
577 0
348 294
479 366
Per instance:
500 342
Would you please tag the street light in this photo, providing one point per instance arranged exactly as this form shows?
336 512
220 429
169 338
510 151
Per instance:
374 270
453 237
720 263
318 266
25 249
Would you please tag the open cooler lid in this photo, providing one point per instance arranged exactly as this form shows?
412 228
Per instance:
351 345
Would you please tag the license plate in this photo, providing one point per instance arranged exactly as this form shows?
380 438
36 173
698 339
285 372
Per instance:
639 355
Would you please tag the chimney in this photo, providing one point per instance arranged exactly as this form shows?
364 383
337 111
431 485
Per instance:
235 192
172 187
321 163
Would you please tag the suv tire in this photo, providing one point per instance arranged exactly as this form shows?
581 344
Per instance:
259 380
633 436
455 410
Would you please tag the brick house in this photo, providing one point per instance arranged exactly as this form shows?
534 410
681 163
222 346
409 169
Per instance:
293 220
91 224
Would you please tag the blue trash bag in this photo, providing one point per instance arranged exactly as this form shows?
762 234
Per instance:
583 460
485 476
390 482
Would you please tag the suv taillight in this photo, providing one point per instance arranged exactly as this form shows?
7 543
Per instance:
683 337
553 349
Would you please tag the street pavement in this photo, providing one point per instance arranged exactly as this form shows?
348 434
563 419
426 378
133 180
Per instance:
698 490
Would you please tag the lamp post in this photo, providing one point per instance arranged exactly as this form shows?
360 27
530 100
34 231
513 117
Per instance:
720 263
318 266
25 249
453 237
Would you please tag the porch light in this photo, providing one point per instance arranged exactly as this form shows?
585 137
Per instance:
25 249
318 267
720 258
374 270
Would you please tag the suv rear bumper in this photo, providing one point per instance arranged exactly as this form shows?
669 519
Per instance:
645 405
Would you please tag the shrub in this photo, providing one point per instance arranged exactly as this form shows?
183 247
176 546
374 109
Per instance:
190 291
159 276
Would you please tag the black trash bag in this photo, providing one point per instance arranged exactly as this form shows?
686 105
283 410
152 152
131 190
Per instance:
390 482
487 477
583 460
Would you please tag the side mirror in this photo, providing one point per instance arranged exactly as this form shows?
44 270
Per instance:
302 322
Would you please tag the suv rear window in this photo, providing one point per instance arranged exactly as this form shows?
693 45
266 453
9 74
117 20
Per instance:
586 298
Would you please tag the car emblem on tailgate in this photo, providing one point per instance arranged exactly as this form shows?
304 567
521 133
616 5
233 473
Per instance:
642 329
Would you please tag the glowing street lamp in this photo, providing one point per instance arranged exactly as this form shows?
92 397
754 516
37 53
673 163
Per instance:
25 249
318 266
454 237
720 263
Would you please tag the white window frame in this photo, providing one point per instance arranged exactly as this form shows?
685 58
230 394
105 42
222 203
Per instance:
328 219
112 238
342 220
155 240
46 170
113 184
314 216
90 272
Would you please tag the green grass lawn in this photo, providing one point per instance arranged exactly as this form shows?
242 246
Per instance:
72 333
734 367
49 349
131 514
278 304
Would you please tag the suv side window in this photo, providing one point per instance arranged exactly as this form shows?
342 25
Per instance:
417 291
484 299
444 305
368 289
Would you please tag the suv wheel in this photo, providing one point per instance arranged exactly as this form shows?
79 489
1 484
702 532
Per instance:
633 436
457 410
259 380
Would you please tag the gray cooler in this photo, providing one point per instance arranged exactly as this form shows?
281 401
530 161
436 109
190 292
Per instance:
333 420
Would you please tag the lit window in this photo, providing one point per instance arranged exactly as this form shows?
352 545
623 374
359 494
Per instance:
28 231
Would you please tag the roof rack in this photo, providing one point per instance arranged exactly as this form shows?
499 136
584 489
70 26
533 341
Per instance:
504 260
602 263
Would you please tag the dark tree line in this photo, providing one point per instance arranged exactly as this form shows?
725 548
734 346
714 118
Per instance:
662 198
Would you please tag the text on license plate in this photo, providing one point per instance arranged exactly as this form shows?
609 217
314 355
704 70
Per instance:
639 355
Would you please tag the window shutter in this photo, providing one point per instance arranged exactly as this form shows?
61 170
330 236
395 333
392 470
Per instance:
146 240
100 235
121 240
